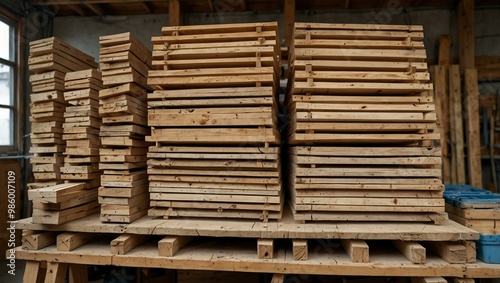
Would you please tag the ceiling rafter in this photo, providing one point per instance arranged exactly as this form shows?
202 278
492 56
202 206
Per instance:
96 8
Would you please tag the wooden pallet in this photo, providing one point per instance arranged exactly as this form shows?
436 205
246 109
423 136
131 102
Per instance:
50 59
362 125
123 194
482 217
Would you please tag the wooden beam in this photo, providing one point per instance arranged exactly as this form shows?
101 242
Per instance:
278 278
456 125
78 273
56 272
451 252
33 272
36 241
77 8
357 250
98 10
444 50
300 249
428 280
466 34
211 5
289 18
69 241
441 101
126 242
174 13
413 251
473 137
147 7
347 4
265 248
169 246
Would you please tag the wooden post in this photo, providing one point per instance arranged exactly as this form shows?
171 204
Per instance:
56 272
441 101
444 50
473 138
289 18
174 13
466 35
456 126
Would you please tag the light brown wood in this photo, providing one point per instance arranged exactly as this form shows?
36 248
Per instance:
265 248
413 251
357 250
56 272
300 250
169 246
472 127
126 242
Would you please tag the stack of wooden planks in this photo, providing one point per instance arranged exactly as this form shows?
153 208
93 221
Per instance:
363 128
76 198
123 194
214 122
50 59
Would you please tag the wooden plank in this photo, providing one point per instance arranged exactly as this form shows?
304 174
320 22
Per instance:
169 245
456 125
300 249
466 54
357 250
441 100
444 50
428 280
472 128
265 248
126 242
413 251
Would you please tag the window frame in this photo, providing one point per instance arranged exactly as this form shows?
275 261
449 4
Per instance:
17 66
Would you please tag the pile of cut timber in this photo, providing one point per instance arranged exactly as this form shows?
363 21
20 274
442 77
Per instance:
123 194
78 197
214 122
50 59
363 129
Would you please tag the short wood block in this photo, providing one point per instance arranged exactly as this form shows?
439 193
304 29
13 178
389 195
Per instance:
265 248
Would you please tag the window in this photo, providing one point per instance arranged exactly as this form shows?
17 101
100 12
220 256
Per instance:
8 85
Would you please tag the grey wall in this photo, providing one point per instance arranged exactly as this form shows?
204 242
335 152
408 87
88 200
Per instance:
84 32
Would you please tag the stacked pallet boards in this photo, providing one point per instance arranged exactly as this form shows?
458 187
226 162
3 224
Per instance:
362 135
50 59
123 194
214 122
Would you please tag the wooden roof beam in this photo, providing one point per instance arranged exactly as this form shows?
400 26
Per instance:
289 17
77 8
147 7
174 13
98 10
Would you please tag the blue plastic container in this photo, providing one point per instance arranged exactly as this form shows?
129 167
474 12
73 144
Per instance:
464 189
488 248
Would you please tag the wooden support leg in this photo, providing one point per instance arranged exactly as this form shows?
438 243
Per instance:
300 250
169 246
56 272
265 248
32 272
357 250
278 278
127 242
451 252
70 241
78 273
428 280
413 251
